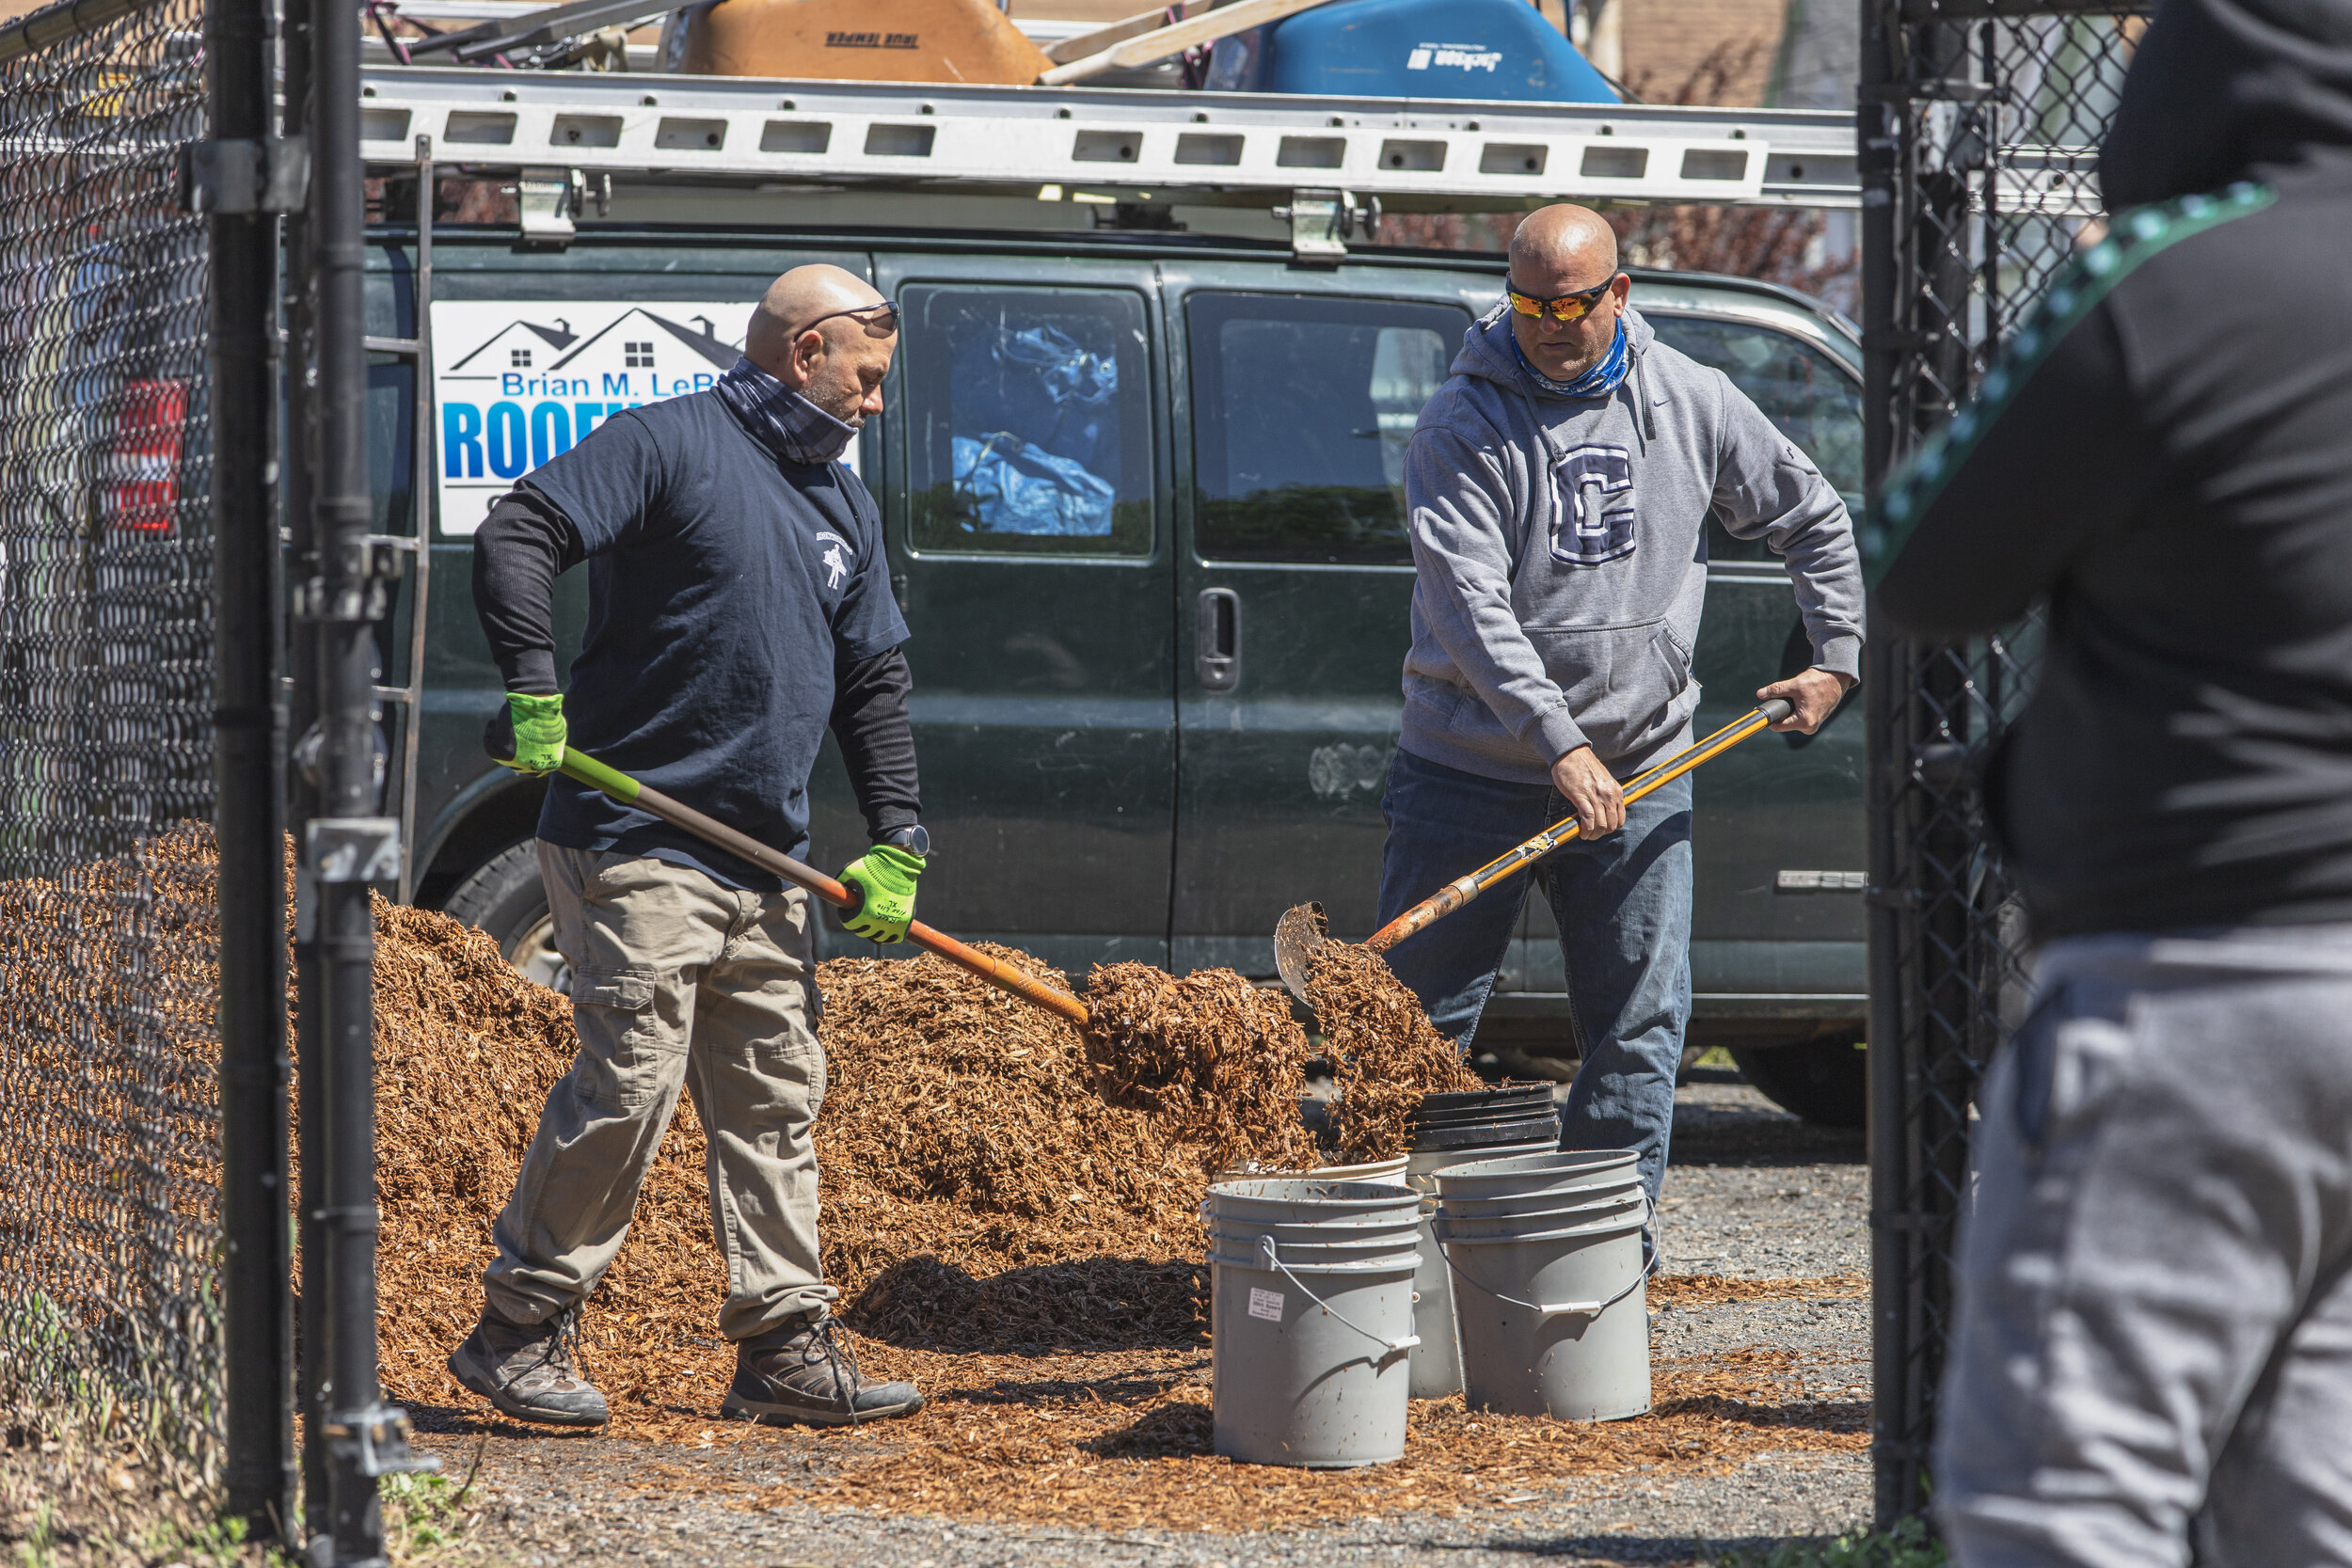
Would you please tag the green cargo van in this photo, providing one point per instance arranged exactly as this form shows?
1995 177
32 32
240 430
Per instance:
1158 712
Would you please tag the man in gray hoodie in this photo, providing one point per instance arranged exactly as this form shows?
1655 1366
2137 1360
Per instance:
1558 486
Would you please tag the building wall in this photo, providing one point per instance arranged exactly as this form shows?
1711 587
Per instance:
1702 51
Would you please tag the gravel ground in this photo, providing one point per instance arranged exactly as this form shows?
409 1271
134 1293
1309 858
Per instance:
1754 1194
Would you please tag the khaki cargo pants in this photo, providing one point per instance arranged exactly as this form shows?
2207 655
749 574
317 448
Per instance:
676 982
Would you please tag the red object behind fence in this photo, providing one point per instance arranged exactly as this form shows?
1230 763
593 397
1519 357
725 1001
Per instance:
144 495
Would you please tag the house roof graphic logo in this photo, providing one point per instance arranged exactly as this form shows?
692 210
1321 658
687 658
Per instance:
703 341
520 334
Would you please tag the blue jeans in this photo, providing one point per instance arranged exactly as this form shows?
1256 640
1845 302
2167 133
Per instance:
1623 905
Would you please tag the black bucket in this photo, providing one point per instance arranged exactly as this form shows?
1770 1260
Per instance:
1487 1118
1483 1118
1449 1130
1493 1135
1486 1102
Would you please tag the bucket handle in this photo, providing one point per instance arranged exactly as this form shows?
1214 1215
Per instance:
1580 1308
1274 1259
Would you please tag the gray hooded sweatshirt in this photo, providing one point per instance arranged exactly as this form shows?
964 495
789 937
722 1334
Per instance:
1561 561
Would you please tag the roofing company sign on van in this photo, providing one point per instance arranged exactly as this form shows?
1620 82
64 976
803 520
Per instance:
514 382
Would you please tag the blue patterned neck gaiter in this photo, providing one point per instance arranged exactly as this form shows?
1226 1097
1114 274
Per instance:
1599 382
780 418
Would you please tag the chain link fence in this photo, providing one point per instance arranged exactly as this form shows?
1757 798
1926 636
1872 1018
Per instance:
1986 118
109 1123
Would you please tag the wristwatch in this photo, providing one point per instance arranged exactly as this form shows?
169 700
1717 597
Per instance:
915 841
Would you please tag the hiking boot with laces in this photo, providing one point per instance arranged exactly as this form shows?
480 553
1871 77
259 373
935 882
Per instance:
803 1371
530 1370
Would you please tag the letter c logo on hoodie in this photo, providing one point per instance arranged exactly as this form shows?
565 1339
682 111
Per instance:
1591 505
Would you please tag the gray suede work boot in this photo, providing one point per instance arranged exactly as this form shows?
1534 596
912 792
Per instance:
802 1372
530 1370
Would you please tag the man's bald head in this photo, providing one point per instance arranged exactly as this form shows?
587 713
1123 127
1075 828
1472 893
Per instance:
1563 241
797 299
1559 251
836 361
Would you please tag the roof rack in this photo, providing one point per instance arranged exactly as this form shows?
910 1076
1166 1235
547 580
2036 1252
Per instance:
1337 160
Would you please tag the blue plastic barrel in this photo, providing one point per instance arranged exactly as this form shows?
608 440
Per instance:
1495 49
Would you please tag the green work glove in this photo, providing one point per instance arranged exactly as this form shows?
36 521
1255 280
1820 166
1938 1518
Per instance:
526 735
884 877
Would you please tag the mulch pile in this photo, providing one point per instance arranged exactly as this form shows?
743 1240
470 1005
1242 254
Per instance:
991 1177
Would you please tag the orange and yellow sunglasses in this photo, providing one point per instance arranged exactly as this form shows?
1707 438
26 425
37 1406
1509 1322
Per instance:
1561 307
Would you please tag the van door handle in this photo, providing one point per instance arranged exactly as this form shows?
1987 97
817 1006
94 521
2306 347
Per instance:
1216 638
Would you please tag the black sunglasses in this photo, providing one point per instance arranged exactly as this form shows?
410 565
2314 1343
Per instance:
889 324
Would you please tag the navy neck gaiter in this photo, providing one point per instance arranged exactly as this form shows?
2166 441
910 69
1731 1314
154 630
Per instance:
782 420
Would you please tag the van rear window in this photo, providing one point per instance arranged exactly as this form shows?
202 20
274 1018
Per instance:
1302 408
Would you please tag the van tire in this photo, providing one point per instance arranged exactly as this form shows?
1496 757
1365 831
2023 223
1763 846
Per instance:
505 898
1824 1080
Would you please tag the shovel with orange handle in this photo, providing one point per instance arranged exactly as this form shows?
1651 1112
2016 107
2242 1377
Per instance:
1303 928
629 792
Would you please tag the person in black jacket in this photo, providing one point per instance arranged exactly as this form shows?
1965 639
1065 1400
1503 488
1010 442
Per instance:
738 604
2154 1345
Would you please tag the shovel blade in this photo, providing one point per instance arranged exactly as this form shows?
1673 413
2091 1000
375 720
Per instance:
1297 936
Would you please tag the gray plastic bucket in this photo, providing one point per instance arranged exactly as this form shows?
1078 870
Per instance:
1225 1246
1549 1172
1618 1190
1528 1203
1437 1362
1553 1320
1374 1170
1401 1233
1357 1228
1311 1337
1308 1199
1554 1215
1311 1219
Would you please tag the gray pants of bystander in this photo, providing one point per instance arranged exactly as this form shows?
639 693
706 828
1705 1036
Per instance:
2154 1350
677 983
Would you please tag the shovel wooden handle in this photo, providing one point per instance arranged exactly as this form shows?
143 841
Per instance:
1462 890
596 775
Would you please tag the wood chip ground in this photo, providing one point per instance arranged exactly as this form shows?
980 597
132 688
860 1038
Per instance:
1009 1207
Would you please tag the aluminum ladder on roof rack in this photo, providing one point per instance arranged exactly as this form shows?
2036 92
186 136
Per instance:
558 128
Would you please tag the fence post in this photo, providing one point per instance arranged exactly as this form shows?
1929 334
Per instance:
349 844
248 738
299 456
1878 138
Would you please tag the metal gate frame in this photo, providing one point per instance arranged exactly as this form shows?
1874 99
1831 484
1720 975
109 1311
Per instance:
1978 130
